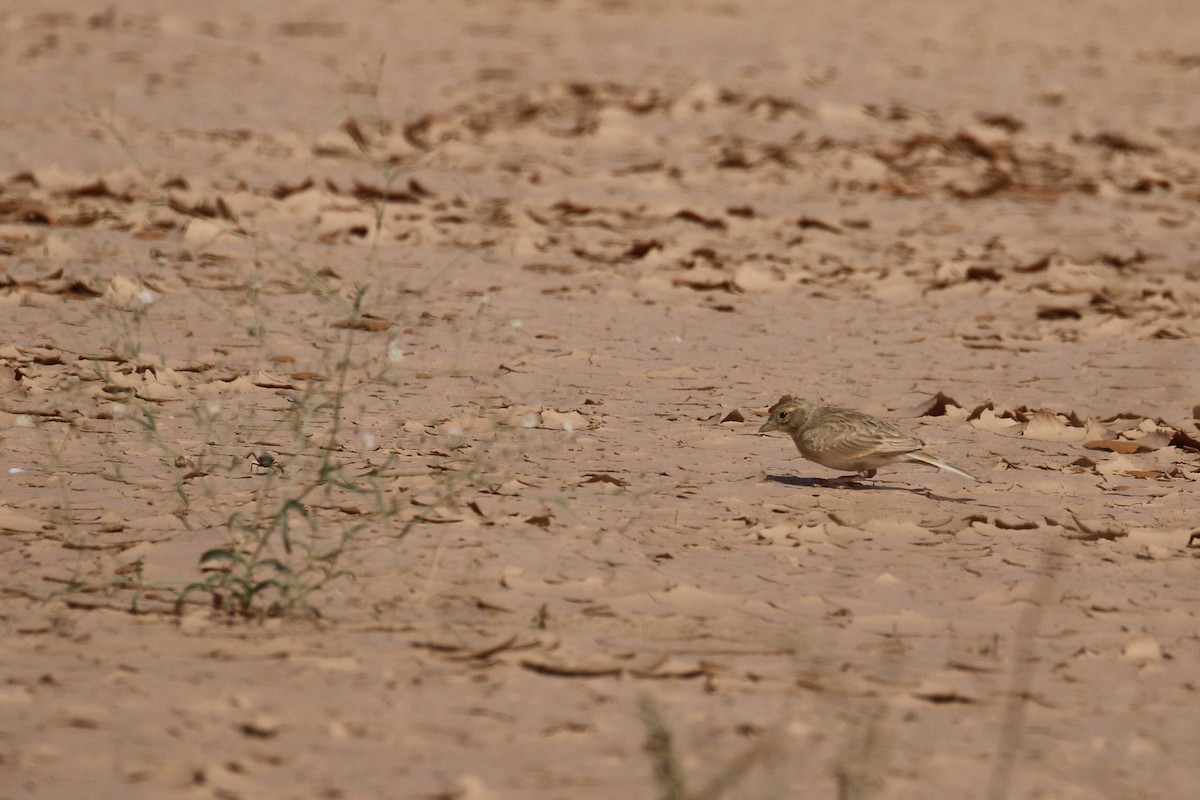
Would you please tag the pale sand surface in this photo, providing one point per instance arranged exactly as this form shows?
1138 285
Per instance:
549 263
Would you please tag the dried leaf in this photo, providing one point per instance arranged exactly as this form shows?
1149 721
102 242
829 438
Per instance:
1145 474
489 650
985 419
711 223
1185 441
1090 530
565 670
1059 312
282 191
1117 446
667 667
706 279
1044 426
604 477
812 222
269 380
983 273
364 323
935 406
1014 524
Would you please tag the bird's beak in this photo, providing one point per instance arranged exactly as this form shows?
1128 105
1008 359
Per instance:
768 426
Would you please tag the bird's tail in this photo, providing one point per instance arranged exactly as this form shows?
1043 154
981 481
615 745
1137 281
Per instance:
925 458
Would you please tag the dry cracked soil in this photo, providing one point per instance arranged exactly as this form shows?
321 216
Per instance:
381 392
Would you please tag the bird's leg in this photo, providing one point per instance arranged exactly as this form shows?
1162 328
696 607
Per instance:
847 480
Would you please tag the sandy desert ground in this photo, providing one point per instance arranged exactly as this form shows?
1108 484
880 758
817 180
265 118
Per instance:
498 293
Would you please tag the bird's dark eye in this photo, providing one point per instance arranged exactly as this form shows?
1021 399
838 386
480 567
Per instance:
782 416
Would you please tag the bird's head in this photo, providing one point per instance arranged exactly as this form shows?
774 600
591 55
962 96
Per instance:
786 414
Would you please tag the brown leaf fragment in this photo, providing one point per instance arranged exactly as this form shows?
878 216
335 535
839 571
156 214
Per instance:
1117 446
1147 184
733 416
1037 265
352 129
1090 530
565 670
977 412
604 477
261 727
706 280
1058 312
1120 260
1120 143
203 208
364 323
25 212
1169 333
669 668
546 268
540 520
370 192
821 225
936 406
461 652
1005 122
1045 426
966 666
942 696
282 191
640 249
488 605
487 651
97 188
1014 524
981 272
418 133
418 189
711 223
1145 474
269 380
1130 419
1075 421
1185 441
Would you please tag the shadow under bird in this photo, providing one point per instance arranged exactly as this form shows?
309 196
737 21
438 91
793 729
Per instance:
848 440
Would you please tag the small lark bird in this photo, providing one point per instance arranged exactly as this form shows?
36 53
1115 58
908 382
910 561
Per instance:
847 440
